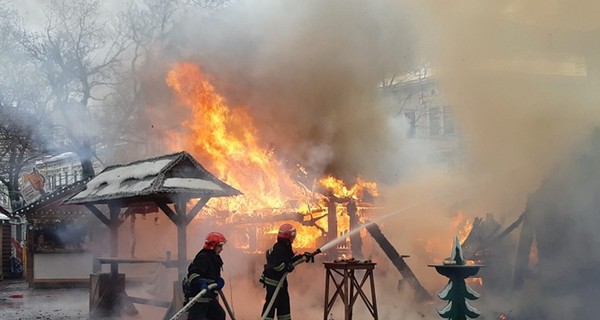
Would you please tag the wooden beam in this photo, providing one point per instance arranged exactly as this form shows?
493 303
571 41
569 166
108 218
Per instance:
98 214
199 205
398 262
523 251
127 213
167 210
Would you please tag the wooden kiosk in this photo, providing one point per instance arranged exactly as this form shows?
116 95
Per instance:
168 182
57 233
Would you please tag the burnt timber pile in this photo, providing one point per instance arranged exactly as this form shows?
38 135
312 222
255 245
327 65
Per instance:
561 222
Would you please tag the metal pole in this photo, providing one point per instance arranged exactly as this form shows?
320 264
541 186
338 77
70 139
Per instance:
229 310
192 302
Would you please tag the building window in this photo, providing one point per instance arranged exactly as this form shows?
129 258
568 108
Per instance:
448 121
435 121
441 121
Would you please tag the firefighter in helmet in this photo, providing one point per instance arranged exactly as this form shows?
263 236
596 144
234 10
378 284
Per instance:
204 270
280 259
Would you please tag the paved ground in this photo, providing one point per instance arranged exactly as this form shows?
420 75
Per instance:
18 301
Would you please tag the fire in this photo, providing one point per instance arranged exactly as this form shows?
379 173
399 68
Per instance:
463 225
476 281
340 190
226 141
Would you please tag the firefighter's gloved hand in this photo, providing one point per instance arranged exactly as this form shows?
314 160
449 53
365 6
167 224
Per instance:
289 268
203 285
220 283
308 257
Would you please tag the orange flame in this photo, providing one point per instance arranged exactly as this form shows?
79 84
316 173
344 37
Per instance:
475 281
339 189
464 226
226 141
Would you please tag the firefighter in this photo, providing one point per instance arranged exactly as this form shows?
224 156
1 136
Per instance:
280 259
204 270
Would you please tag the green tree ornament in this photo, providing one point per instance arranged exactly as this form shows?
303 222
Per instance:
457 292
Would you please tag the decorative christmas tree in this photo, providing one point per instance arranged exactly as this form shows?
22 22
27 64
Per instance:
457 292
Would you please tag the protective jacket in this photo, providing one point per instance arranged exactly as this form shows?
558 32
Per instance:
206 266
279 260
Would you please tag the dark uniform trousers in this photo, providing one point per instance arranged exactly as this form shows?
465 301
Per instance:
281 304
206 309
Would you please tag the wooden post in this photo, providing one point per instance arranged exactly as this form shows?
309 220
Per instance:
331 220
115 210
181 222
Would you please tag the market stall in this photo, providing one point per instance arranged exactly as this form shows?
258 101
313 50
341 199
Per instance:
59 234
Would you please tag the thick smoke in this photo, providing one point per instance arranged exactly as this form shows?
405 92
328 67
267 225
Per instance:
310 73
522 79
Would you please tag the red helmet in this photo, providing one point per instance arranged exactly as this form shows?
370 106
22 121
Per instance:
286 231
214 239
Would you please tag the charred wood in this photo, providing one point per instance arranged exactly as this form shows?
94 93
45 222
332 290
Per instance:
398 261
523 250
247 219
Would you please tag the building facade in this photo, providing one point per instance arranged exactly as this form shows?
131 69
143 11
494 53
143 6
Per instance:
417 99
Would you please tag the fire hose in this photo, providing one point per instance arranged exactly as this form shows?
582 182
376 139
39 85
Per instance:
282 280
193 301
227 307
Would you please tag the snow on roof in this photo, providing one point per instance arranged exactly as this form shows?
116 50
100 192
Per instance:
133 178
172 173
189 183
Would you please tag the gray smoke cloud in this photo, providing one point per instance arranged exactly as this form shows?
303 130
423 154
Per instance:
521 78
309 72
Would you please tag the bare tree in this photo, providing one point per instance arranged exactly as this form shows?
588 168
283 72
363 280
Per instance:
211 4
149 25
79 56
21 113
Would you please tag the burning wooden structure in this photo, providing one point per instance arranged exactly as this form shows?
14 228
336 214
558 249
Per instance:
168 182
557 249
489 243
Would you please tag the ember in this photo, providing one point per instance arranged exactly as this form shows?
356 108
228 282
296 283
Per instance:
350 260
